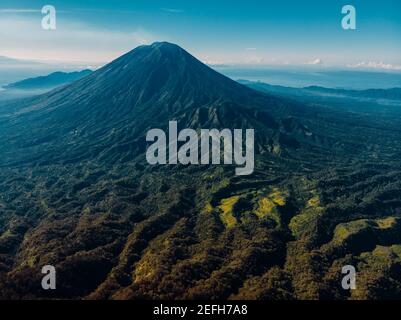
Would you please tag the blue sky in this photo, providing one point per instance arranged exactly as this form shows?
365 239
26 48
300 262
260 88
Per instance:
302 33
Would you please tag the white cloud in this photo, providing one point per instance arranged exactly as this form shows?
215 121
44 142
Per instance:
254 60
11 10
212 62
172 10
375 65
71 42
315 62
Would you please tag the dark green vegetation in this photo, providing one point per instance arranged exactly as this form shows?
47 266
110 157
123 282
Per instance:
76 191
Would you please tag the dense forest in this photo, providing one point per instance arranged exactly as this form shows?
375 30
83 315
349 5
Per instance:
76 191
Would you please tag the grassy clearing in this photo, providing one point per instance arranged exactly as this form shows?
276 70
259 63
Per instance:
267 206
144 268
345 230
386 223
208 208
226 214
304 221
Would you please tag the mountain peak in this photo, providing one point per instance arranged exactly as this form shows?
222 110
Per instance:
167 48
164 71
161 47
165 44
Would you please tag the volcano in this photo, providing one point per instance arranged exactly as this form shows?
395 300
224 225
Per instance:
106 115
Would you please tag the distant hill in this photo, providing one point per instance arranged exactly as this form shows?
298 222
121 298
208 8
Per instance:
4 60
391 94
388 94
52 80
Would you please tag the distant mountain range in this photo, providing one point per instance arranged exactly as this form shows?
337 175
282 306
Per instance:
4 60
390 94
52 80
